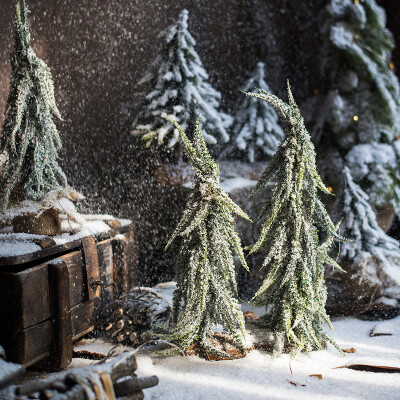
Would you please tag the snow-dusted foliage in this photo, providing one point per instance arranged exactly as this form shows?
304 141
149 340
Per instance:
371 254
294 291
29 138
359 100
206 293
256 130
355 64
376 165
180 88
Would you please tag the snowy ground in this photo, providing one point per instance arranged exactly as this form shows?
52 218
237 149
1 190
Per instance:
258 376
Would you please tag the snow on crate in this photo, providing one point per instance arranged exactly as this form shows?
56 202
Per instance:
17 244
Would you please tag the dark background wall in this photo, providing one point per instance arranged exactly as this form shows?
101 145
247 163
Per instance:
98 50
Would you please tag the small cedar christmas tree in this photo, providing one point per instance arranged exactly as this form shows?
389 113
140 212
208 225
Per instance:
206 293
373 258
359 98
256 130
180 88
29 138
294 291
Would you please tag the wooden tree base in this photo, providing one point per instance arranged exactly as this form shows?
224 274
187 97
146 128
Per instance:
223 343
47 223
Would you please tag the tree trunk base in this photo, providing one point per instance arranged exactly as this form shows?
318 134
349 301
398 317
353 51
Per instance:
47 223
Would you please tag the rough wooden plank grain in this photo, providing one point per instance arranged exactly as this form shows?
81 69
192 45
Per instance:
106 261
121 279
45 242
92 267
125 262
61 350
131 258
33 344
77 277
82 318
24 299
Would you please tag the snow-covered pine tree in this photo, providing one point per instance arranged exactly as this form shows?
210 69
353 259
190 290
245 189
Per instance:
294 291
256 129
29 138
206 293
372 257
359 100
180 88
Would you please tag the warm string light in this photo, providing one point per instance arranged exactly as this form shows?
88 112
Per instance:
316 92
356 1
356 37
355 118
391 66
330 189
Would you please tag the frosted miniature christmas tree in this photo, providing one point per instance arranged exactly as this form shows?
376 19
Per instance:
359 100
180 88
206 293
29 140
373 258
256 130
294 291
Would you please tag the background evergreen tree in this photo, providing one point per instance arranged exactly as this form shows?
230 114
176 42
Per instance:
294 291
29 138
359 103
256 129
372 257
206 293
180 88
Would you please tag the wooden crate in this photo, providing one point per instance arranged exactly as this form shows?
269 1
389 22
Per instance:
52 297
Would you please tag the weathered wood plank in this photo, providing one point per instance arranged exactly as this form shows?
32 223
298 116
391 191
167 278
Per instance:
132 257
33 344
92 267
121 279
24 299
77 277
107 295
125 262
106 261
82 318
61 349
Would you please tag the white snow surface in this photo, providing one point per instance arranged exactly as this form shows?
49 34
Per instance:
88 228
17 244
229 185
259 376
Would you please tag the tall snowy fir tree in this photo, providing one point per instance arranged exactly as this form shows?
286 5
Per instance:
359 100
29 138
206 293
180 88
256 129
294 291
371 257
